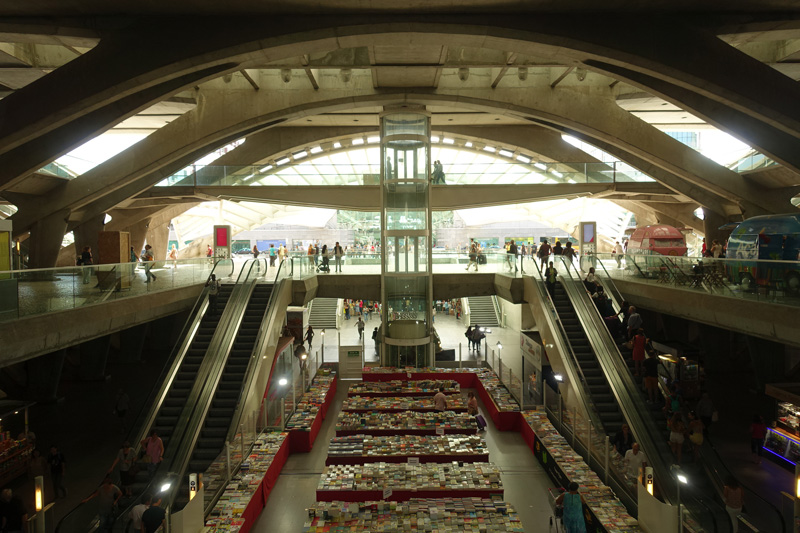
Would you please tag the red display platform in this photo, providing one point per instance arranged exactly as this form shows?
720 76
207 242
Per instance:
447 431
400 394
359 460
504 421
302 440
402 495
259 499
419 410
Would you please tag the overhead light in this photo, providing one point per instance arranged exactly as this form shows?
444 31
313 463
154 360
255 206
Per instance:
523 159
499 345
282 382
558 377
540 166
489 149
266 168
556 173
358 141
468 144
165 487
683 479
699 213
299 155
251 176
448 140
282 161
373 140
316 150
337 144
506 153
434 139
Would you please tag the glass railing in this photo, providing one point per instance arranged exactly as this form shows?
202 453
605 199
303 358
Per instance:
753 161
33 292
444 262
498 173
760 280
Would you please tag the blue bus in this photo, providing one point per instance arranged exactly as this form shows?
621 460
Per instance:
768 237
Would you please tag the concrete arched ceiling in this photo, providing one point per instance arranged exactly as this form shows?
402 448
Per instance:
693 71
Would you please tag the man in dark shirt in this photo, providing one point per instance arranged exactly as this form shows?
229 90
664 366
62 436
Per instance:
651 377
57 469
13 517
511 255
154 517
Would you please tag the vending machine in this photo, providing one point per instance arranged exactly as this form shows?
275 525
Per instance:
222 242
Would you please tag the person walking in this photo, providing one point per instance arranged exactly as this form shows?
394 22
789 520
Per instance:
255 251
639 343
511 255
758 431
133 258
213 292
616 251
472 404
558 249
440 400
569 252
311 254
309 336
154 450
126 457
468 334
544 254
57 463
86 261
477 336
107 496
210 255
377 340
573 509
733 496
337 256
473 255
360 326
326 260
677 434
635 322
148 258
173 256
272 255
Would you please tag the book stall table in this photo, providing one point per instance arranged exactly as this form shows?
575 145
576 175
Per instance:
362 404
603 511
305 423
360 449
426 387
365 482
248 491
404 423
444 514
500 405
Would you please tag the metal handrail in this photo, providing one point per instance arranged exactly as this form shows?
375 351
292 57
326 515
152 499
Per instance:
163 383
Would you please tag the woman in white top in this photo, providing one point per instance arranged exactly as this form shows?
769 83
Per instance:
617 252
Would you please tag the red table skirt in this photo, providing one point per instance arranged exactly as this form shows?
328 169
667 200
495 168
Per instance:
360 460
528 435
418 410
259 499
403 394
401 495
303 440
447 431
465 379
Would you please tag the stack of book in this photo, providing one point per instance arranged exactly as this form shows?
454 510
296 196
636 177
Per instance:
442 515
495 388
425 386
309 404
600 498
400 403
404 420
403 476
406 445
227 513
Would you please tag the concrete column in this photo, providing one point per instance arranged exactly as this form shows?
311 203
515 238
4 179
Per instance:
138 233
45 241
86 235
158 238
44 376
131 342
94 355
711 224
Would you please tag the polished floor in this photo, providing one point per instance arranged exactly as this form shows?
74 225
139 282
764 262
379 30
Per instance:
524 481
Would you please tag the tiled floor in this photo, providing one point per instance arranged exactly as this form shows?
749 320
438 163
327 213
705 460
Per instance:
525 482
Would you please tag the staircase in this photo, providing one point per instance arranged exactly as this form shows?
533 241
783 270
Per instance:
601 395
482 311
323 313
176 399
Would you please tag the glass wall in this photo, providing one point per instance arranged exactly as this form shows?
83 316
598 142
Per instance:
405 235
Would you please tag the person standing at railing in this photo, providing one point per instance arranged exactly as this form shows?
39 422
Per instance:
716 249
173 256
86 261
312 258
337 256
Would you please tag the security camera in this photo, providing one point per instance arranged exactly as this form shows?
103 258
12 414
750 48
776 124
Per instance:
580 73
463 74
345 74
522 73
286 75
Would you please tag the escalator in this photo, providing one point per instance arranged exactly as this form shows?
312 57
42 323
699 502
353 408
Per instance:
622 397
218 420
175 401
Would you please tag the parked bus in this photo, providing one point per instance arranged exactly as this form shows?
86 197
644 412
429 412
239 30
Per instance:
770 237
657 239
